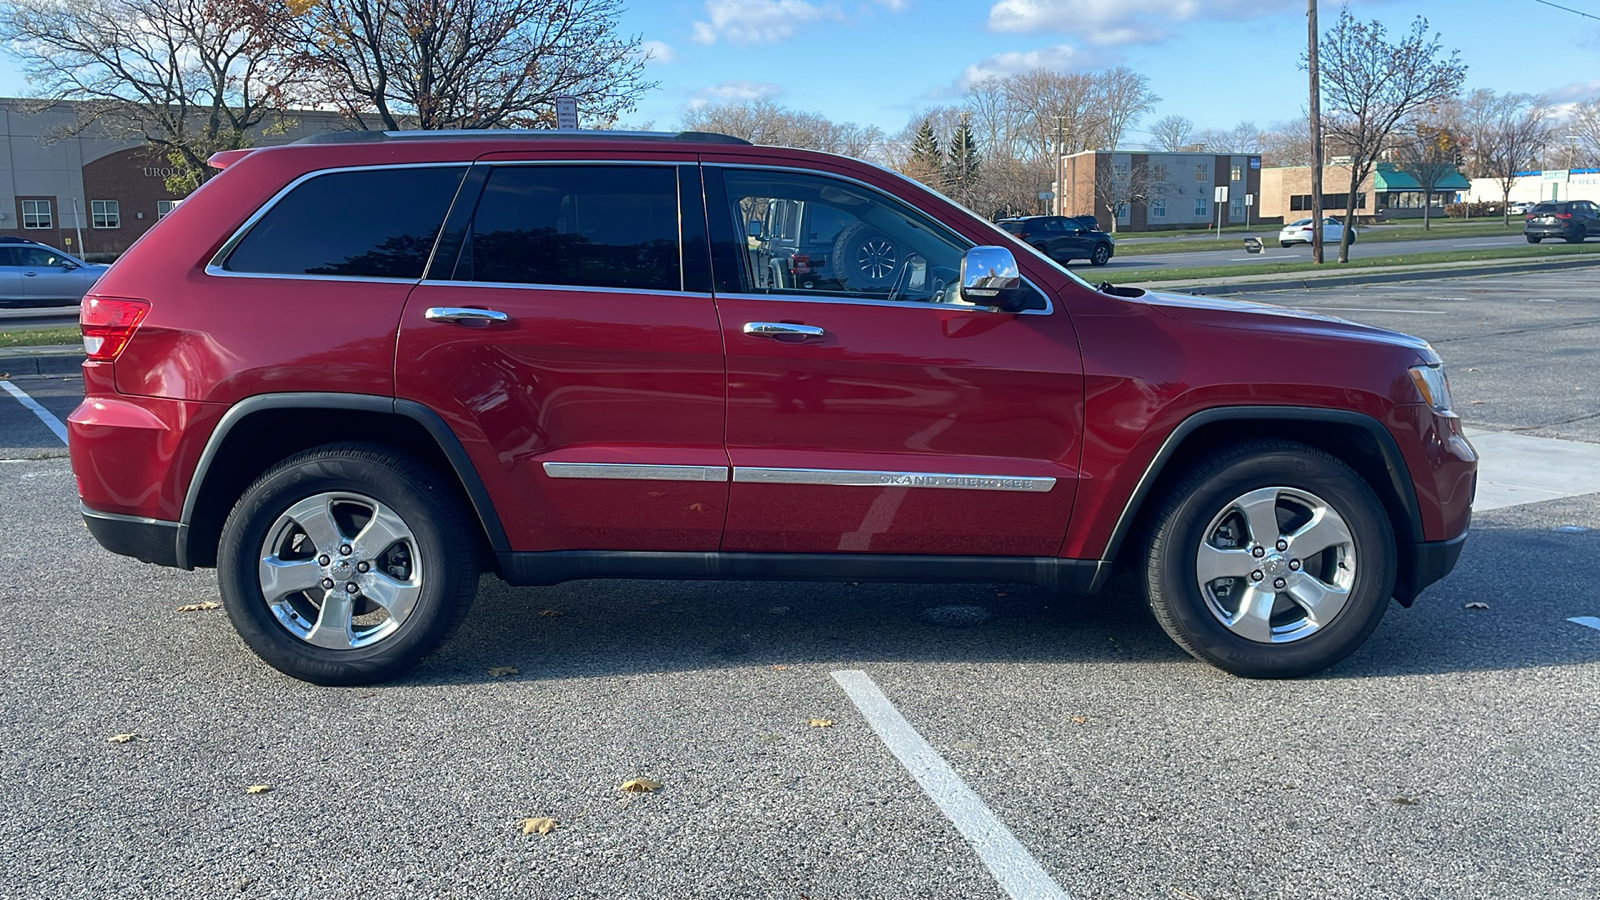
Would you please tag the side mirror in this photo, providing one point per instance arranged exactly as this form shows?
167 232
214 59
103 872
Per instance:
989 277
753 228
68 265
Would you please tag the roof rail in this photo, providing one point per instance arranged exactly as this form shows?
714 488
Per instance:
362 137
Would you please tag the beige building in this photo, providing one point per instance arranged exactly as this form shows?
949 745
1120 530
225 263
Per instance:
1387 193
1144 191
90 194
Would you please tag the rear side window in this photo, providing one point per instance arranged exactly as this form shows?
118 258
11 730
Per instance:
375 223
585 226
1545 209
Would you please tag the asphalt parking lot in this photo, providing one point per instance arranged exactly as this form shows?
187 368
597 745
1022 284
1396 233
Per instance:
1456 754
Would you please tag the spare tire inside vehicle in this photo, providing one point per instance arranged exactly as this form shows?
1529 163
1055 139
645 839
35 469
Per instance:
864 259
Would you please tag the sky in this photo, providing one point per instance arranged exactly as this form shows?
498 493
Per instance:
1215 62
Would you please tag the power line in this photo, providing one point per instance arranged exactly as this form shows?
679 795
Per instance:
1569 9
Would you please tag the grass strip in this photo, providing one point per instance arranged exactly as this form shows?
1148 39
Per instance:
40 337
1143 276
1367 234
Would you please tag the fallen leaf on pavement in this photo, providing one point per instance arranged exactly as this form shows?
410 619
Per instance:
258 789
1477 606
551 613
122 738
538 826
639 786
820 723
1404 801
1079 720
779 668
502 671
200 607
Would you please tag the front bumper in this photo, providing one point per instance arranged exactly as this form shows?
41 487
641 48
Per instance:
149 540
1430 561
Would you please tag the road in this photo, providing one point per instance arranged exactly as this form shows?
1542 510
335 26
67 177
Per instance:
1456 754
1233 253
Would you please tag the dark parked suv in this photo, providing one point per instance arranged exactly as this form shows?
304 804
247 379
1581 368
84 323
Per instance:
355 372
1063 238
1570 220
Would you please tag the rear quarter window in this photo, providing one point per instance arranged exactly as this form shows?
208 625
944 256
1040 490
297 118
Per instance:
372 223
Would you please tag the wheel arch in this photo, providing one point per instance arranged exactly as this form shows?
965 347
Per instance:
1356 439
261 430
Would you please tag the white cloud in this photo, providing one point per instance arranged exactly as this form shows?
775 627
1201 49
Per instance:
734 91
749 22
1119 22
893 5
657 52
1058 58
1576 92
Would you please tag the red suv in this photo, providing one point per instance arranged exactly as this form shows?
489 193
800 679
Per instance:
354 372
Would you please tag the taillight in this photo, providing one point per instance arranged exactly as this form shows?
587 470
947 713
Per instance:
107 324
801 263
1563 215
1022 235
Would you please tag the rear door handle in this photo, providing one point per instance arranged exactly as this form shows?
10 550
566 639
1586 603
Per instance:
462 316
783 330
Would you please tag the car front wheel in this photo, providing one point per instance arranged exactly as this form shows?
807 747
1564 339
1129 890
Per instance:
1271 560
1101 255
346 564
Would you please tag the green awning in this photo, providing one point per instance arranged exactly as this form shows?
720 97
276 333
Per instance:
1388 177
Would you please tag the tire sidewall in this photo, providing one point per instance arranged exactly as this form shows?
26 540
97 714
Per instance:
1183 608
419 505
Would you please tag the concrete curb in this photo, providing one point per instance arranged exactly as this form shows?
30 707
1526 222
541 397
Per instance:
20 362
1309 281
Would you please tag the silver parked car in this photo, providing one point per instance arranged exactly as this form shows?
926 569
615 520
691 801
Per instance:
33 274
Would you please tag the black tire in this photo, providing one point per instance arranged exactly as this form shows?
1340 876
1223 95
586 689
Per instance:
1286 244
1203 498
434 560
1577 235
1533 238
1102 255
865 260
1353 236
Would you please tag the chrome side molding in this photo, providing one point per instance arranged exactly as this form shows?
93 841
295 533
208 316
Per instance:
632 472
868 478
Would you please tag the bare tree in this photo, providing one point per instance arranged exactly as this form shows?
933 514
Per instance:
188 77
1124 96
466 63
1585 127
1511 140
1370 86
766 122
1126 185
1287 144
1171 133
1429 155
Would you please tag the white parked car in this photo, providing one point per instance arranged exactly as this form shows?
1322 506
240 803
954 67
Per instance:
1300 232
1519 207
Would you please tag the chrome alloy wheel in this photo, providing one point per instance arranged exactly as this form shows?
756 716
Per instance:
876 258
1276 565
340 570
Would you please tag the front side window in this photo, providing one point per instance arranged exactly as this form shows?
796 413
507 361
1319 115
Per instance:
106 213
368 223
36 214
40 257
873 247
577 225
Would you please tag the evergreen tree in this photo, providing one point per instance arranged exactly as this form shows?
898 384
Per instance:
961 170
927 162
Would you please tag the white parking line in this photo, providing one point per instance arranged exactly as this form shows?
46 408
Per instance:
45 416
1590 621
1019 874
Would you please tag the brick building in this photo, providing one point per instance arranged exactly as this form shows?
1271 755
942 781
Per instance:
1387 193
90 194
1152 191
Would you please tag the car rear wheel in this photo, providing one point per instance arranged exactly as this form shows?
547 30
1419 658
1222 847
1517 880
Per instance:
1102 254
1577 235
1271 560
346 564
1534 238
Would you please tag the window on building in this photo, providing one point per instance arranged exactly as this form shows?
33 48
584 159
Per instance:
1119 170
1158 172
1236 208
1236 173
1200 208
1200 173
1122 212
36 214
165 206
1158 209
374 223
105 213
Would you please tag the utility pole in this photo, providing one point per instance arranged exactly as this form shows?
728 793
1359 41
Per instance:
1061 174
1316 134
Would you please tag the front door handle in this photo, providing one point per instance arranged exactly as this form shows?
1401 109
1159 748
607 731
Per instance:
463 316
783 330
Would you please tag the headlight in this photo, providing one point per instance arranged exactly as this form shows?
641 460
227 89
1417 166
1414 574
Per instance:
1433 386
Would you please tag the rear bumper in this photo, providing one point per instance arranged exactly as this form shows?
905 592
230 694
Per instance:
1546 231
149 540
1430 561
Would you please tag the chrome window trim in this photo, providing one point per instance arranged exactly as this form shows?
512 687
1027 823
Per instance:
635 472
873 478
518 285
214 267
1049 301
897 304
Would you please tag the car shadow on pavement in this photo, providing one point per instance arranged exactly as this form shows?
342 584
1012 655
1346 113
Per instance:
1530 579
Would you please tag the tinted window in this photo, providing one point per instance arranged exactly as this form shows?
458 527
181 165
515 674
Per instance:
374 223
592 226
1545 209
38 257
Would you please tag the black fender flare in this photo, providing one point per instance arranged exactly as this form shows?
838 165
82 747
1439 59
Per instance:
430 421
